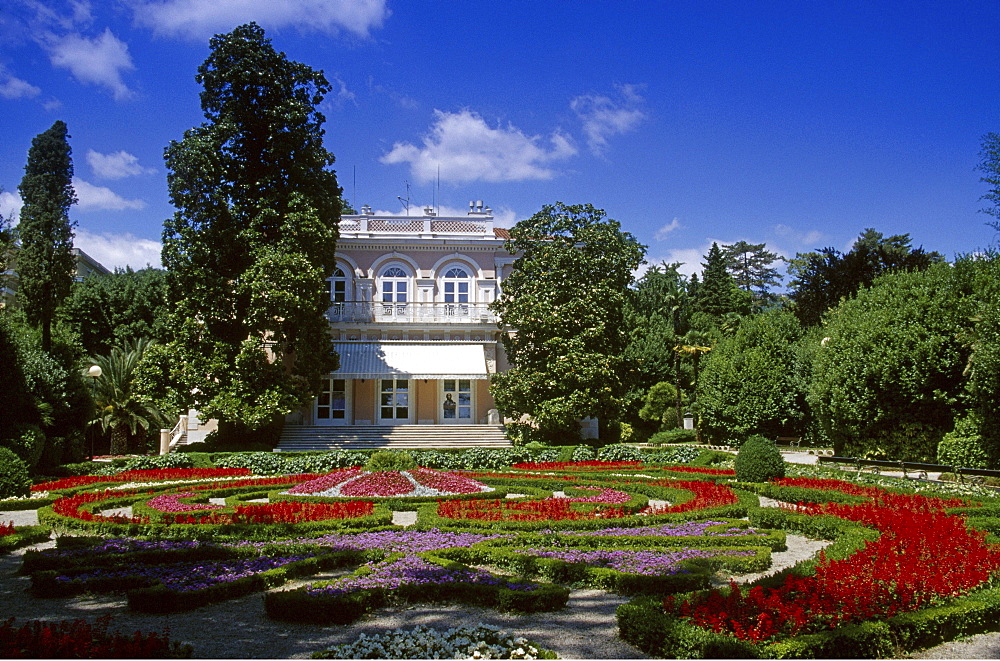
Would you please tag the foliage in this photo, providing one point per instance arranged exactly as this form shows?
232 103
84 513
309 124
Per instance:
566 297
620 453
107 310
750 266
79 639
984 364
822 278
989 164
759 460
45 261
753 381
253 240
390 461
963 447
887 379
660 405
673 436
675 455
718 295
14 478
120 410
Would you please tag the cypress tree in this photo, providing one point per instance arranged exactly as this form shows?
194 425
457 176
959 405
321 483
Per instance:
45 261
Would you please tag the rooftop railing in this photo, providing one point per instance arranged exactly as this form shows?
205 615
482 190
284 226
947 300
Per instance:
402 313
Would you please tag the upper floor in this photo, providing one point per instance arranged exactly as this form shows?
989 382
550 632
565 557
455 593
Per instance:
423 270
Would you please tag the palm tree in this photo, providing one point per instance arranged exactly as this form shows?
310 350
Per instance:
118 409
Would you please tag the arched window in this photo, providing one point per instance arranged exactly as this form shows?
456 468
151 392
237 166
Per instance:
338 286
395 285
457 285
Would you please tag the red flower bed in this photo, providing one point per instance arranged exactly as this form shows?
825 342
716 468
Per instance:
78 639
324 482
258 482
729 472
575 465
378 483
603 495
70 506
281 512
446 482
146 475
706 495
6 529
171 502
905 569
521 476
550 509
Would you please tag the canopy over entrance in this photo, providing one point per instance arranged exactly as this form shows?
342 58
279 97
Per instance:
431 360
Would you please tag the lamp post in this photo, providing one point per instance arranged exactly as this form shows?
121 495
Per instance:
94 372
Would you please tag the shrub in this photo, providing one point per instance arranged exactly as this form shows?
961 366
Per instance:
759 461
963 447
675 455
27 443
390 461
326 462
172 460
620 453
583 453
14 479
673 436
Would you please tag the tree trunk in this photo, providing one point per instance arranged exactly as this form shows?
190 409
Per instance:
119 439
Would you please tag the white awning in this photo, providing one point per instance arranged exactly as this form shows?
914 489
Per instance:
432 360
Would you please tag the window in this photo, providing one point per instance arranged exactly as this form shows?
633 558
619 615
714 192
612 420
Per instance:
338 286
395 283
457 285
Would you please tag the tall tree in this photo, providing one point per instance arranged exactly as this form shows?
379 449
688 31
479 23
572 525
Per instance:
718 295
823 278
45 262
566 299
253 240
990 165
750 264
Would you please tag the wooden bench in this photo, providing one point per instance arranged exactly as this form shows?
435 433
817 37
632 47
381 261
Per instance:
790 441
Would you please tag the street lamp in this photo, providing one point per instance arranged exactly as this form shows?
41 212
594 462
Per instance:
94 372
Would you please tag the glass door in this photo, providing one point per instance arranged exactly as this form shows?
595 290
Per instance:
394 401
332 402
456 402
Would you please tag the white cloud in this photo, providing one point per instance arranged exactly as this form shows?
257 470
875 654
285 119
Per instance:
663 232
804 241
91 197
198 19
118 250
12 87
99 61
603 117
465 149
116 165
10 205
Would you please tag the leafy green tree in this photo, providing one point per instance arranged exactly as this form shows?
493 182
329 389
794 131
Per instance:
823 278
253 240
888 380
121 412
660 406
753 382
566 298
45 262
750 264
990 165
105 310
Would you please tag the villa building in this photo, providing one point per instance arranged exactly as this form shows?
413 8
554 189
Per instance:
409 316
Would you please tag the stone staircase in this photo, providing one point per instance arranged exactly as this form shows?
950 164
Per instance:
296 438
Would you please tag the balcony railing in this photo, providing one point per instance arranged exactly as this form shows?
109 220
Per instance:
403 313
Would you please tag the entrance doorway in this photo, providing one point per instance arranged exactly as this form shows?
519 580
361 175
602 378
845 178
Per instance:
394 401
456 402
332 404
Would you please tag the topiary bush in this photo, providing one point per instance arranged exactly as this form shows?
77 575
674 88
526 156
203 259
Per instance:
390 461
673 436
759 461
963 447
15 482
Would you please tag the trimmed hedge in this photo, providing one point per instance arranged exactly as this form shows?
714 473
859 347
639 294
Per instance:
24 536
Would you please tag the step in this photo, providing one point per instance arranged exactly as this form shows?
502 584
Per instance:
409 437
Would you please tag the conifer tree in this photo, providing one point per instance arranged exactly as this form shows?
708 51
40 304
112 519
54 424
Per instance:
45 261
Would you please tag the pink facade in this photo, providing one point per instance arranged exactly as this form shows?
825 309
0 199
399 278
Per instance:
409 317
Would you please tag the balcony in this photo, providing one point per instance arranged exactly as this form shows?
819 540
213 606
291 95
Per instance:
411 313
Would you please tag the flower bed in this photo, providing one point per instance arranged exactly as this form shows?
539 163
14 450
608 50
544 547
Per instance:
83 640
551 509
479 642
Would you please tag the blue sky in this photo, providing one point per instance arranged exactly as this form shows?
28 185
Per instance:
797 124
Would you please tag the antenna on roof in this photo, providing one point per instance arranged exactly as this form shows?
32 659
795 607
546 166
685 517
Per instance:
405 201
